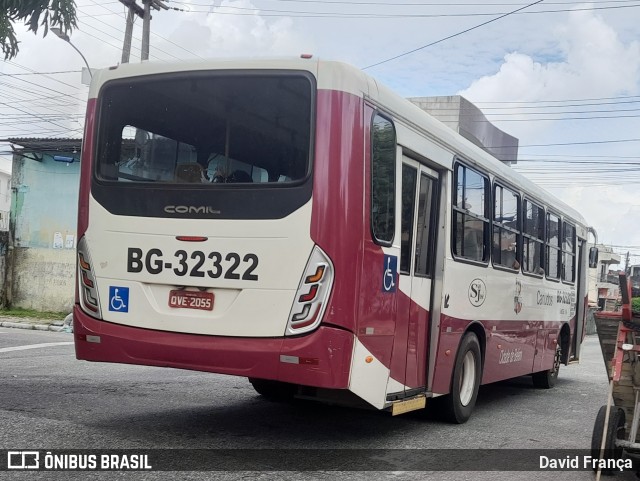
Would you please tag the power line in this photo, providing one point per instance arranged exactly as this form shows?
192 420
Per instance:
40 73
481 102
555 119
304 14
583 143
119 31
430 4
451 36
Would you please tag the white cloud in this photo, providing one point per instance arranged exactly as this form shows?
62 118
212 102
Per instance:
592 62
614 211
219 34
596 63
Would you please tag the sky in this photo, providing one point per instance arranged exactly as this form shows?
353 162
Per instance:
561 76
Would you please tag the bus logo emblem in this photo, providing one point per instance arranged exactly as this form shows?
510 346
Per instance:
389 273
477 292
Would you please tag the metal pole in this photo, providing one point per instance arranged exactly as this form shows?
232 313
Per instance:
146 21
126 47
85 60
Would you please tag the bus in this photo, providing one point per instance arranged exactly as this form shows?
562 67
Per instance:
296 223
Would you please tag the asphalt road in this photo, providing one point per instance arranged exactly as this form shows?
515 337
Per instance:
51 401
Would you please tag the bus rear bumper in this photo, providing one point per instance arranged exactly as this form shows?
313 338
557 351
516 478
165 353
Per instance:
321 358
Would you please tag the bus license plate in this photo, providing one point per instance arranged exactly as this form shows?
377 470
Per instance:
191 300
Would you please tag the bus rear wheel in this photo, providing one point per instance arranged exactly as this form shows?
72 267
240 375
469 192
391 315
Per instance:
274 390
465 382
547 379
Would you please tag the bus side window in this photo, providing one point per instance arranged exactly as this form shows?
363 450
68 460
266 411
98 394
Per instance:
553 256
506 228
568 252
383 185
409 180
533 243
471 215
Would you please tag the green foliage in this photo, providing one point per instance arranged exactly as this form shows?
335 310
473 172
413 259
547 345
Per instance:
35 14
17 312
635 304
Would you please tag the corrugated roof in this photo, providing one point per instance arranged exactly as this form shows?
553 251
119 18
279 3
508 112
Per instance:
35 144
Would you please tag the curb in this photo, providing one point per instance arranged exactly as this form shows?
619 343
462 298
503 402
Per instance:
31 326
36 325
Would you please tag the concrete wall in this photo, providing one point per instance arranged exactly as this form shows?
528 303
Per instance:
41 266
5 199
43 279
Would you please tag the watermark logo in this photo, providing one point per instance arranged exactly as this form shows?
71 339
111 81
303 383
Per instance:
23 460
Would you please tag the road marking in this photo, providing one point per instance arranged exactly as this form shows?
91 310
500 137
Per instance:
34 346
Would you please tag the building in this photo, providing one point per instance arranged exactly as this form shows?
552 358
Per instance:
5 200
459 114
39 251
604 288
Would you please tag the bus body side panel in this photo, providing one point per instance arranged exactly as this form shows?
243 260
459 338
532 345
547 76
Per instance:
338 228
251 357
376 327
521 315
337 214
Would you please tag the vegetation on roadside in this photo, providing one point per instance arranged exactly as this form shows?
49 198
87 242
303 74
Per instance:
35 14
635 304
17 312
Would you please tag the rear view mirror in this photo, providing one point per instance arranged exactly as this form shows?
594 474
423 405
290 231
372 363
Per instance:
593 257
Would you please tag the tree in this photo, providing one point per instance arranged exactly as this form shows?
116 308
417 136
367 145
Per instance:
35 14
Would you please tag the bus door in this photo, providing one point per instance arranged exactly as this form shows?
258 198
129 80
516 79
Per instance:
419 208
579 308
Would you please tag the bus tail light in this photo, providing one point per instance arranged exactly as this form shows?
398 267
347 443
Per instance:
312 295
87 288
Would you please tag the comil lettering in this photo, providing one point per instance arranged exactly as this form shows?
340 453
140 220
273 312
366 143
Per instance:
190 209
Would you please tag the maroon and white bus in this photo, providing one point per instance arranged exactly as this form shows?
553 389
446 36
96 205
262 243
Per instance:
296 223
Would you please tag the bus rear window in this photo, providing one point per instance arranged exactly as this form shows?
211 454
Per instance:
204 128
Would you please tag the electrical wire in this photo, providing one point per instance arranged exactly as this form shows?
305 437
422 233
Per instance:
451 36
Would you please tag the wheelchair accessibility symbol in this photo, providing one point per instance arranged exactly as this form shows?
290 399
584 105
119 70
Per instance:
389 273
118 299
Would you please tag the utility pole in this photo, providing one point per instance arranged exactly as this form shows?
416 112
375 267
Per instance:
145 14
146 30
133 9
626 263
126 47
146 27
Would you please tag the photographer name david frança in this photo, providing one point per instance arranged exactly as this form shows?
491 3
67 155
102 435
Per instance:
584 462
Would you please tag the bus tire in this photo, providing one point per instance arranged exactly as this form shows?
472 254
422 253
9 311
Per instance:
465 382
274 390
547 379
614 431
